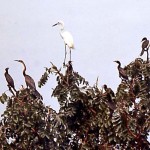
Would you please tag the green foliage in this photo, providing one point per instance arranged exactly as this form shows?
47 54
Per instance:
89 117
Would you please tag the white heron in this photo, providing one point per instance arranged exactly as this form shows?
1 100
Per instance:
67 37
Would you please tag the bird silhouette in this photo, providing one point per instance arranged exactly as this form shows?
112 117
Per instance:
110 99
69 68
145 47
122 72
9 79
109 93
67 37
29 81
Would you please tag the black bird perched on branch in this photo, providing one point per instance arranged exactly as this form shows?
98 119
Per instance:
110 98
69 67
9 79
145 46
29 81
122 72
109 93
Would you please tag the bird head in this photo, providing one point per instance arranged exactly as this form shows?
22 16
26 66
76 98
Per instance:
118 62
105 87
70 62
61 23
6 69
19 61
144 39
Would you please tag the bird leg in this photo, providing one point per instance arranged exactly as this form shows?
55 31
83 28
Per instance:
15 89
65 55
10 90
70 54
147 56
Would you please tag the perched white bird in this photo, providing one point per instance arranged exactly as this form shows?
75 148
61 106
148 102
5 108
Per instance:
67 37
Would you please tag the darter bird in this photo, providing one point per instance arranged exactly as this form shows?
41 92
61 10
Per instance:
29 81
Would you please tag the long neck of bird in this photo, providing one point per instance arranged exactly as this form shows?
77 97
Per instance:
61 27
6 72
119 65
105 88
24 70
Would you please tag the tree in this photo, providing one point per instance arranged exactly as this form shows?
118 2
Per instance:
89 117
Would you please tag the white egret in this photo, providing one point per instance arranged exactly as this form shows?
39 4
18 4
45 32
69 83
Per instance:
67 37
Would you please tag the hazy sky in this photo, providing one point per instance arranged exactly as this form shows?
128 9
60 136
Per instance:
103 31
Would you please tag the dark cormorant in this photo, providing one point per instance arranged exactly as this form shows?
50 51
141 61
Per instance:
9 79
69 67
109 92
122 72
145 46
110 97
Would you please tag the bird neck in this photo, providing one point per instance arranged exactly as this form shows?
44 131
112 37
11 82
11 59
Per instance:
6 72
105 88
62 29
24 70
119 65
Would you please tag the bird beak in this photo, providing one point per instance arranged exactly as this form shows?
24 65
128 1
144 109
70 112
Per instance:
54 25
16 60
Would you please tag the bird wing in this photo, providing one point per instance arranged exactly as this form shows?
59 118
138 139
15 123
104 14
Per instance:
111 92
145 44
142 52
68 39
123 73
30 82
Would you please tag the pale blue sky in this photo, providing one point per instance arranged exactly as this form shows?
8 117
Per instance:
103 31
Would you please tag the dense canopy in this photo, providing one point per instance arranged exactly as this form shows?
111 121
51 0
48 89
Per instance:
90 117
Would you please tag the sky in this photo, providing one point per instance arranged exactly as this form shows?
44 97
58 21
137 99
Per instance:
103 31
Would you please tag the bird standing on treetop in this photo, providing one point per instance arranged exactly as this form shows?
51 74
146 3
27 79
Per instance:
67 37
109 93
29 81
110 98
145 46
122 72
69 67
9 79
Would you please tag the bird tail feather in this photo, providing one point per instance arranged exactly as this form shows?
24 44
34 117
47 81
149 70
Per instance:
142 52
